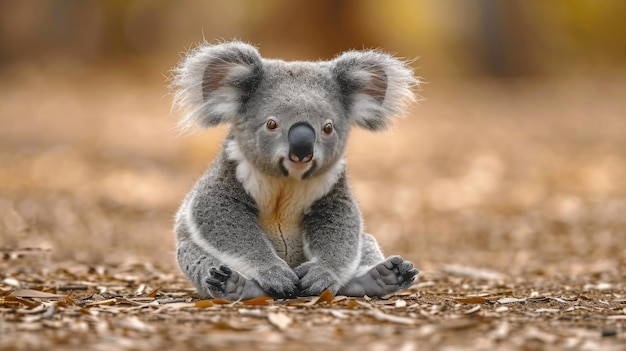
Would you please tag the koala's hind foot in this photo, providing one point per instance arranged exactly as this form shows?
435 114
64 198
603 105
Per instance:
226 283
388 276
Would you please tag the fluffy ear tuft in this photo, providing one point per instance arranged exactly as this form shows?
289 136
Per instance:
375 86
212 82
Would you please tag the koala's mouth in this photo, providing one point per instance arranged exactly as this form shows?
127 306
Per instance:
298 170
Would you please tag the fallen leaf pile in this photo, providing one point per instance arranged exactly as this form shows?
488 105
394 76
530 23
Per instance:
138 306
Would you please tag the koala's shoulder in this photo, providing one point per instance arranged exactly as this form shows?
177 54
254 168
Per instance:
220 182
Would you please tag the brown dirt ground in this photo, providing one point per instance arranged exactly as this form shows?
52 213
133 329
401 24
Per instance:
510 198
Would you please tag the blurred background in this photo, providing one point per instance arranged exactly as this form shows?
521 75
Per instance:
514 159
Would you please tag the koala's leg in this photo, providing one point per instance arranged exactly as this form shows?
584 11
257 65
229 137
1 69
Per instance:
210 276
378 276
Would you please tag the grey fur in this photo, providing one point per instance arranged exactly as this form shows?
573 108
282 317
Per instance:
258 224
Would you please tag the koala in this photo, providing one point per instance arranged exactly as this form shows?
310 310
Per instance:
274 214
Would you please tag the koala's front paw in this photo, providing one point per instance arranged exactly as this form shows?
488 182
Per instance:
279 282
314 279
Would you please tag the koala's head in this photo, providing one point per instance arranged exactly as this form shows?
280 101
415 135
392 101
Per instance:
289 118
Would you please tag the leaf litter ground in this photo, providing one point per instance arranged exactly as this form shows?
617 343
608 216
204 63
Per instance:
511 201
138 306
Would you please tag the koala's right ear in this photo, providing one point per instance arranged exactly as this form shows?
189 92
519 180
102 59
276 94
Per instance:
213 82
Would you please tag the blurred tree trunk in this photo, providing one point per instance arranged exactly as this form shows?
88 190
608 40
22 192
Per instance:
505 39
320 28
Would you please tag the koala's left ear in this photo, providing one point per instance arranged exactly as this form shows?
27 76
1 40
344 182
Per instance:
375 86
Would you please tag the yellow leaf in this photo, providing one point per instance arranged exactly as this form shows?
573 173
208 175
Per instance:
27 303
259 301
352 303
221 301
68 298
203 303
153 293
326 296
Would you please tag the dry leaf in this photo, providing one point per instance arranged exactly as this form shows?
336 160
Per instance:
352 303
221 302
258 301
72 288
27 303
62 304
107 302
178 305
34 293
140 289
279 320
153 293
326 296
297 302
11 281
312 302
381 316
339 298
339 314
510 300
383 302
68 298
125 301
472 310
203 303
257 313
9 303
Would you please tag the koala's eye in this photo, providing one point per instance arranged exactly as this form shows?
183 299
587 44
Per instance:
271 124
328 128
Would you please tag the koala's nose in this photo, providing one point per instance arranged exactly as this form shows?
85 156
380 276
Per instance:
301 139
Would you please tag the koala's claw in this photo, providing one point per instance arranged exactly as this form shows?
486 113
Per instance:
402 270
220 274
391 275
288 293
222 283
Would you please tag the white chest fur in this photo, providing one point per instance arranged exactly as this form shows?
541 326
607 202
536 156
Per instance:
282 202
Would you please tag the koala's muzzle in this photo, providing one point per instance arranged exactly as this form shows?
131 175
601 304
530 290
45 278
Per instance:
301 138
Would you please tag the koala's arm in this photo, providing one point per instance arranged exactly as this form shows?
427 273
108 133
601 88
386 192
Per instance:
333 235
221 219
